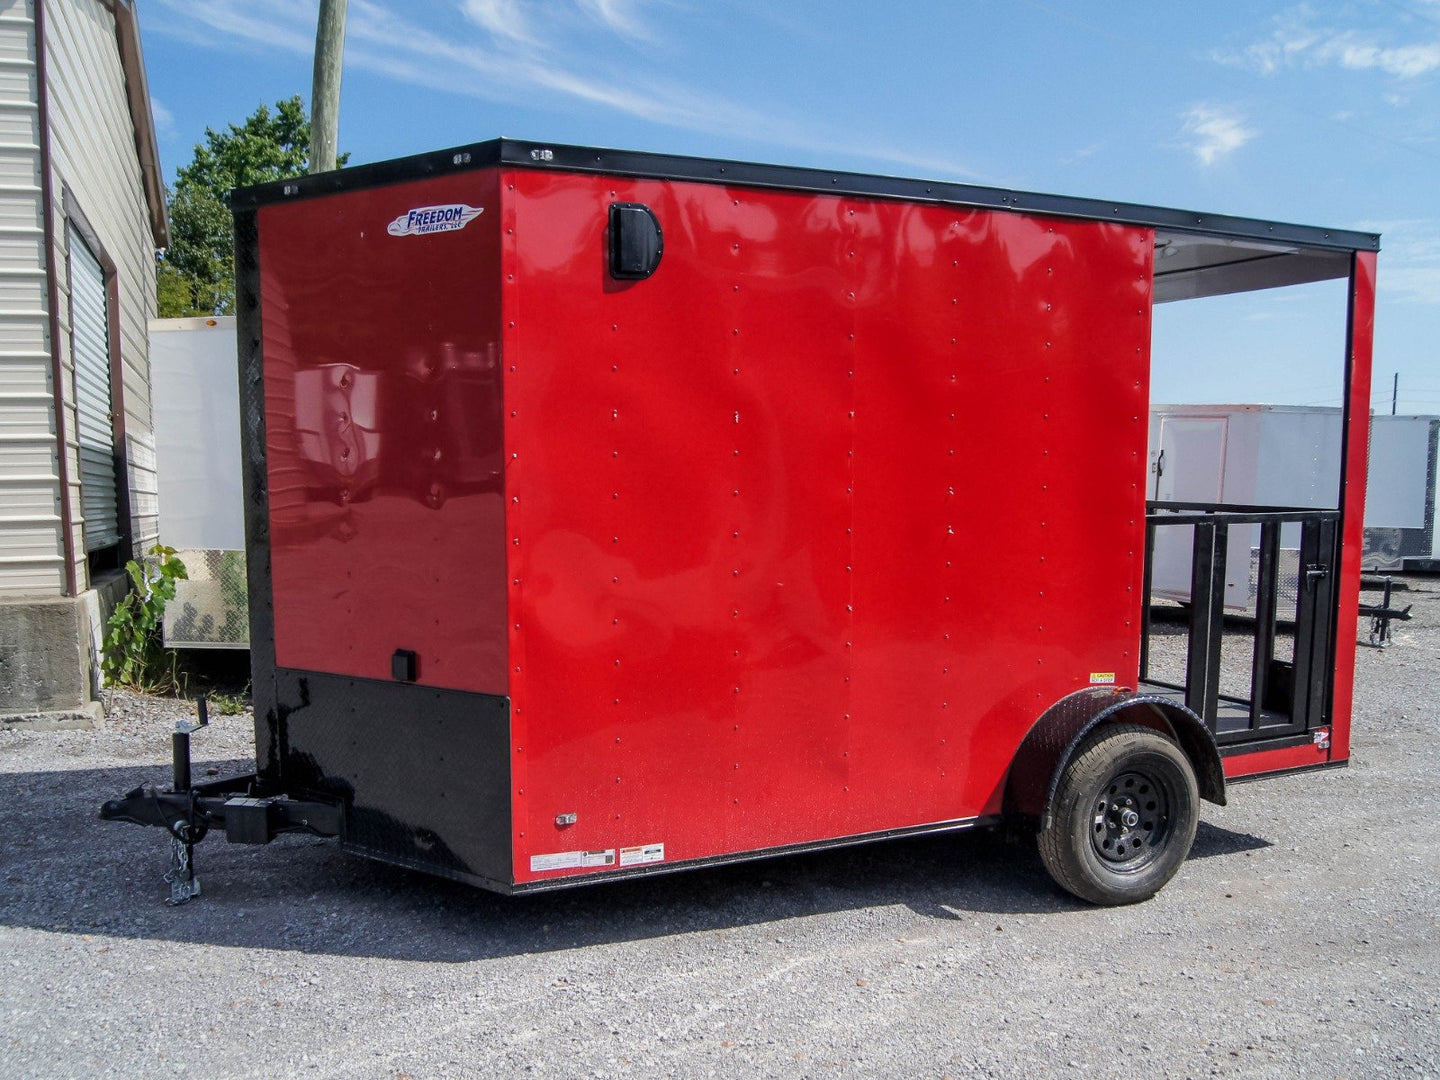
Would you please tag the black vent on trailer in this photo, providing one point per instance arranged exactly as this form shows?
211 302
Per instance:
636 242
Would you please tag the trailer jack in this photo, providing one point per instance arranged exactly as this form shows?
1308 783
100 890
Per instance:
1380 614
246 807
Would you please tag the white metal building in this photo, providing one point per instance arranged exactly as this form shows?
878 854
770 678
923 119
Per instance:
82 211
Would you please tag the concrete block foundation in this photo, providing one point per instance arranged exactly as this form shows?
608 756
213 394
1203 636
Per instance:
50 672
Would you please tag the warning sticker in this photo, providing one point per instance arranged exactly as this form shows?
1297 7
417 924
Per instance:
572 860
1102 678
642 853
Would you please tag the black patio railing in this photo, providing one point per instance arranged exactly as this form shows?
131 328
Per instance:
1287 697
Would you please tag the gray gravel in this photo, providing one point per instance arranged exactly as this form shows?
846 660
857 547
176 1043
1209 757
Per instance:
1301 939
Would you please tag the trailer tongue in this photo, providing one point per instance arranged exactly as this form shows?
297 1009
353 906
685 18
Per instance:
238 805
609 514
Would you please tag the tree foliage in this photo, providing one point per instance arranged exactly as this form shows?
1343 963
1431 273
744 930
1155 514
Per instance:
197 271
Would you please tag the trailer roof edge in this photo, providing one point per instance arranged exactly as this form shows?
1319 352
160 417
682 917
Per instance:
562 158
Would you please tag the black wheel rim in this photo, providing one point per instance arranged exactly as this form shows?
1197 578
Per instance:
1131 821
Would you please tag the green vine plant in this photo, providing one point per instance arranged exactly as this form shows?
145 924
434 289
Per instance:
135 655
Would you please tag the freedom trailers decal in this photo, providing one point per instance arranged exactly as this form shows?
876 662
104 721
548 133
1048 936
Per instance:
424 220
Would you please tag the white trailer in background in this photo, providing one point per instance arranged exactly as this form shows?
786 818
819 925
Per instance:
196 402
1400 531
1287 455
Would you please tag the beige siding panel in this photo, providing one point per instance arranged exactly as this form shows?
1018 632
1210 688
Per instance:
25 417
22 290
19 168
22 374
23 246
28 501
31 550
93 154
15 45
144 491
29 540
19 126
93 157
17 78
20 209
33 455
24 334
26 577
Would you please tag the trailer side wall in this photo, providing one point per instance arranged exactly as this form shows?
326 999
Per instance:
754 502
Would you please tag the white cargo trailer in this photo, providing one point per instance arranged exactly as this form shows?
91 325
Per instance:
196 402
1400 531
1287 455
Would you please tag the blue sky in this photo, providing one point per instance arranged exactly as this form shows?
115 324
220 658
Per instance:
1321 113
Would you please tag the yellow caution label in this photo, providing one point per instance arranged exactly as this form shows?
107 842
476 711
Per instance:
1102 678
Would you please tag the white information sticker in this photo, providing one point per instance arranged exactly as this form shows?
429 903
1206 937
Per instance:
642 853
572 860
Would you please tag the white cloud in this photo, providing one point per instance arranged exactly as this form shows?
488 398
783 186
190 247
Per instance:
1410 284
1083 153
620 16
1214 132
1409 266
1294 41
1289 41
1350 50
515 53
518 21
164 119
504 18
267 23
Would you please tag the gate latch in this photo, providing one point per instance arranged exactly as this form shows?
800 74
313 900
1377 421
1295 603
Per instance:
1314 572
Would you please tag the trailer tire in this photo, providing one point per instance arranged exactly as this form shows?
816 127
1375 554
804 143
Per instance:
1122 818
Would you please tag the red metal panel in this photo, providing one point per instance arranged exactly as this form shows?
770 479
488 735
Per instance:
999 491
383 431
1357 447
1272 761
780 514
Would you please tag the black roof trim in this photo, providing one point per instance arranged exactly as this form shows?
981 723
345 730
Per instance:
550 156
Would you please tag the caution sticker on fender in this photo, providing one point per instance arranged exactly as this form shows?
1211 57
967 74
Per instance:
572 860
642 853
1102 678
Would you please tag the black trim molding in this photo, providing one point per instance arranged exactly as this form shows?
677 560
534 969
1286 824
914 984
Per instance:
554 157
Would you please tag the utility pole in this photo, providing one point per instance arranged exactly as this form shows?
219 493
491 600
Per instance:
1394 393
325 89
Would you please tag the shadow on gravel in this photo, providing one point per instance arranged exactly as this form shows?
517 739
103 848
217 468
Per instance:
65 870
1211 840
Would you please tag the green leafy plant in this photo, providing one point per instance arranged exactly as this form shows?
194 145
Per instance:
134 653
230 704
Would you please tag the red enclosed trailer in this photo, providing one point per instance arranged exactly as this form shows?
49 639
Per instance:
611 513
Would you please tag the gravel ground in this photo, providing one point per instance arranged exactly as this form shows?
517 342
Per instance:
1301 939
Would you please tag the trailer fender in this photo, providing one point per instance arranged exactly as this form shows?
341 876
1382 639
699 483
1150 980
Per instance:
1053 739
